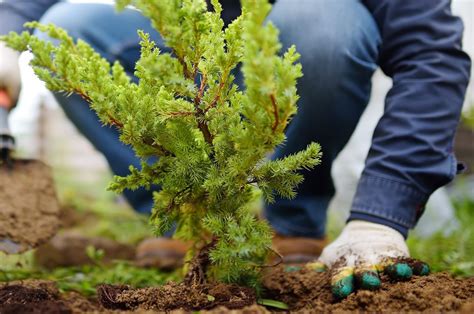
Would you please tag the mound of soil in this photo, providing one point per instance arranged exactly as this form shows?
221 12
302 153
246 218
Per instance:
19 299
174 296
29 208
308 290
37 296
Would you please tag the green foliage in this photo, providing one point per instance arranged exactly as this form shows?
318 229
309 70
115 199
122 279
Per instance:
96 255
85 279
273 303
468 117
211 138
455 252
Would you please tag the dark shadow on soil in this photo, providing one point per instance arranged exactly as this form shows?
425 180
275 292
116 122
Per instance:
41 297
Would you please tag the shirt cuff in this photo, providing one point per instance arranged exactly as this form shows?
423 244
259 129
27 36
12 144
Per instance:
388 202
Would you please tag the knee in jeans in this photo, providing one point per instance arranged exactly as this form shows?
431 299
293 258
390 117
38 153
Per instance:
92 22
63 15
329 35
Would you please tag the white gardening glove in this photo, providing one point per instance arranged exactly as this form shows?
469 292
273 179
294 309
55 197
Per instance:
9 72
362 250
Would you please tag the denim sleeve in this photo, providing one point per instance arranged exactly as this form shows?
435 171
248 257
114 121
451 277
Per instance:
14 13
412 146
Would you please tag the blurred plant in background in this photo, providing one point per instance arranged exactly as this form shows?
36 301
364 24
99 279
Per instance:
453 253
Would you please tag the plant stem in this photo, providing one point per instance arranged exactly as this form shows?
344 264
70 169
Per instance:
199 264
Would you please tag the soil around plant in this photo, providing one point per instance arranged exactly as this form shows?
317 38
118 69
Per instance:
29 209
304 291
173 296
309 290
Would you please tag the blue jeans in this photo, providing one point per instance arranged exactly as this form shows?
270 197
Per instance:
338 42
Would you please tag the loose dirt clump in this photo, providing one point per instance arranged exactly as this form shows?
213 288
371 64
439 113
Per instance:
17 298
195 293
29 208
308 290
173 296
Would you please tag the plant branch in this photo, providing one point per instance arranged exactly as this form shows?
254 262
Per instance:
202 87
148 141
161 150
86 97
216 98
275 112
186 71
180 113
178 194
280 259
200 114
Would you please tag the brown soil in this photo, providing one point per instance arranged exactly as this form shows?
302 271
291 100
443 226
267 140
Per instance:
37 296
308 290
174 296
69 249
28 206
304 291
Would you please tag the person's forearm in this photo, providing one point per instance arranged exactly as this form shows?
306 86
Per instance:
14 13
412 147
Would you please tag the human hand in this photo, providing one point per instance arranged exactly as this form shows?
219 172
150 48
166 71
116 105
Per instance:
7 142
361 252
9 76
5 100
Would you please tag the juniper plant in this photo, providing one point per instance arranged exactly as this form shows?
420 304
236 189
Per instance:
210 136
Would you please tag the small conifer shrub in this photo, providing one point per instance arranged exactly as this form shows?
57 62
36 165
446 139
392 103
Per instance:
211 138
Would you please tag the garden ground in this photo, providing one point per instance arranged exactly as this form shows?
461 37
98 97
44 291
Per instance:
91 211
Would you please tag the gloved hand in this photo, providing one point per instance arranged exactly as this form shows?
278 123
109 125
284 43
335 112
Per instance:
361 252
9 73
